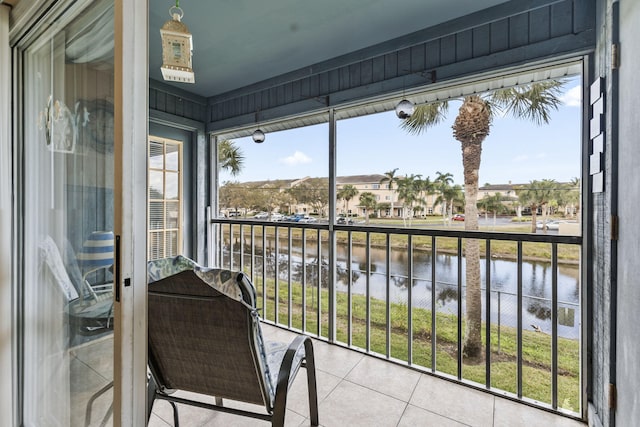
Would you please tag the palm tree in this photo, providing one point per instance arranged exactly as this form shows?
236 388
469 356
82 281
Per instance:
409 189
230 157
571 197
369 203
390 178
538 194
492 204
443 181
534 102
347 193
427 189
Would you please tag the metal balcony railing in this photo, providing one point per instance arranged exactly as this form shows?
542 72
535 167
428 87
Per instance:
400 294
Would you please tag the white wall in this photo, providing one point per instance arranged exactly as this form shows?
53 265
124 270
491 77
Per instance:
628 341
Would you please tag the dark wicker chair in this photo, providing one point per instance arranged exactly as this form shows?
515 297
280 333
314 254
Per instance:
205 337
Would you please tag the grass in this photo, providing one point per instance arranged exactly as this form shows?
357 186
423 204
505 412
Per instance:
536 346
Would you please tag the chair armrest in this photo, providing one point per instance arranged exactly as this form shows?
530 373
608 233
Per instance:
287 374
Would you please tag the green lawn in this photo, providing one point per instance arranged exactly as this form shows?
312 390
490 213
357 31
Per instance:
536 346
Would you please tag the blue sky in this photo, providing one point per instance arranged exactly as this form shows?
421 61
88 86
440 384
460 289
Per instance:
516 150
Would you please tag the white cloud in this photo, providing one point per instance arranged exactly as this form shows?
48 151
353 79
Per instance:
296 158
573 97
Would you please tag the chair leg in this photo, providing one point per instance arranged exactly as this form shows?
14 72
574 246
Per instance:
310 365
151 395
87 418
176 421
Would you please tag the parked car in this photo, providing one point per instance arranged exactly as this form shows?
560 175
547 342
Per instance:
458 217
295 217
551 225
277 217
261 215
344 220
308 219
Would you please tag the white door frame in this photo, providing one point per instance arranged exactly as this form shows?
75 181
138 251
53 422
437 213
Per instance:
130 222
6 302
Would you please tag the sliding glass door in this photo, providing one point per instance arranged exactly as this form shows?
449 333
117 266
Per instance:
68 228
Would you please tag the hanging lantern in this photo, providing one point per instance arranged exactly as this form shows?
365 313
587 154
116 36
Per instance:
404 109
177 47
258 136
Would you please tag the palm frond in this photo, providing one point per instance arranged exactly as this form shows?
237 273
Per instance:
230 157
424 116
534 101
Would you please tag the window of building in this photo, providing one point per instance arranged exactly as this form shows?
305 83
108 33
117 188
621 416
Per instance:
165 198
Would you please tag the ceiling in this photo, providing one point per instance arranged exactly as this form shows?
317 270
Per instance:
240 42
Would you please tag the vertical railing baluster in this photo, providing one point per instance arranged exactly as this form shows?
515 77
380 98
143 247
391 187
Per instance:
410 299
289 287
264 272
230 247
276 275
433 303
241 247
487 323
350 285
319 287
554 325
459 308
218 244
519 321
253 253
368 293
388 295
304 280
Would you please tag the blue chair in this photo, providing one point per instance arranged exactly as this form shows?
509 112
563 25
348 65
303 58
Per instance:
97 254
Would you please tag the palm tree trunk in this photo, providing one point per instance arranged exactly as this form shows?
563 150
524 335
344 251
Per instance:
472 346
534 214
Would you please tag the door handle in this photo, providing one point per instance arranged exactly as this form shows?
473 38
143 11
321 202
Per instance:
117 277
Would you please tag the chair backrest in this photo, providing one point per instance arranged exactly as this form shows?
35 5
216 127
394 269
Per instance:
50 255
97 251
204 335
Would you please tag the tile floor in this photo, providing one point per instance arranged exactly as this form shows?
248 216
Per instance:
357 390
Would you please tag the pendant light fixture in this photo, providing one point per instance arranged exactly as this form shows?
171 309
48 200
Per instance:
404 109
177 47
258 136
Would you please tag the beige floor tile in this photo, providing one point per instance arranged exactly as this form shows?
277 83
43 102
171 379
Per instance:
334 359
187 415
385 377
353 405
273 333
457 402
417 417
513 414
291 419
98 354
85 382
297 398
156 421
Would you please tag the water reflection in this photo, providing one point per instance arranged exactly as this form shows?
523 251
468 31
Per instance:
536 282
